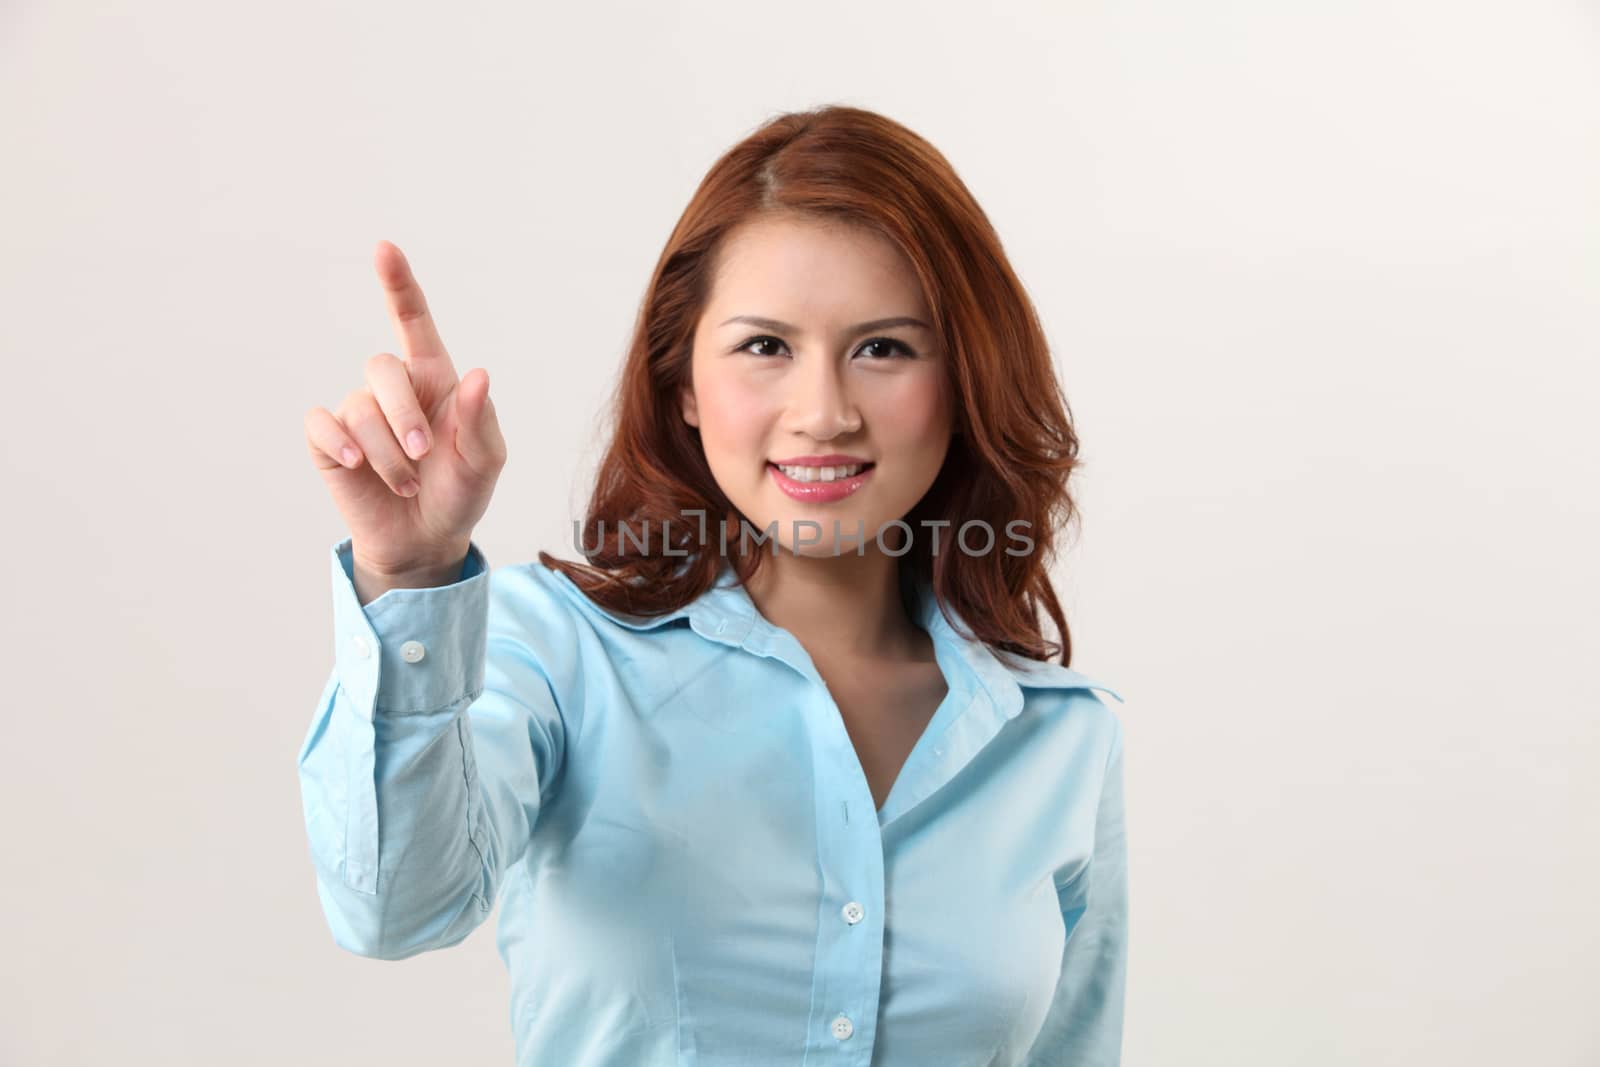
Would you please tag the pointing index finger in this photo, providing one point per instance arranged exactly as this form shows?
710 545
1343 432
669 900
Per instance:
408 310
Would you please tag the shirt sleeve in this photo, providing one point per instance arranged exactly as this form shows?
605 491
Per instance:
1083 1027
434 744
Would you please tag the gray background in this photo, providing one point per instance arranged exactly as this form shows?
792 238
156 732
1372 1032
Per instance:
1322 285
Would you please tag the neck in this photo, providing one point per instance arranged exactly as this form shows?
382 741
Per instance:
844 607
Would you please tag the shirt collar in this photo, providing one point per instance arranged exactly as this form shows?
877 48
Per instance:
1002 674
726 614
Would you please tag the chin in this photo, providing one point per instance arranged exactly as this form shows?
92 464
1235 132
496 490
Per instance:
848 541
789 524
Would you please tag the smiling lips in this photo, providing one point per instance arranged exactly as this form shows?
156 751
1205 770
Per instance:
819 491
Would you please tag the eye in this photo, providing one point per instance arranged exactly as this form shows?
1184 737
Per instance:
758 341
888 346
898 349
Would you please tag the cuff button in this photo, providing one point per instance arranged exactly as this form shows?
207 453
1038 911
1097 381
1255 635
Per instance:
412 651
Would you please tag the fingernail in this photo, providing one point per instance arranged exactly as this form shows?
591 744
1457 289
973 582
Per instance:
350 456
409 488
417 443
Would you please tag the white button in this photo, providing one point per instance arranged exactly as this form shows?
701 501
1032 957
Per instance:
362 648
842 1028
853 912
412 651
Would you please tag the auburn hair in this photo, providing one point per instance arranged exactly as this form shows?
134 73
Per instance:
1013 446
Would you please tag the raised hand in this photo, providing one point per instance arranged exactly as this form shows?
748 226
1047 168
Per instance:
411 457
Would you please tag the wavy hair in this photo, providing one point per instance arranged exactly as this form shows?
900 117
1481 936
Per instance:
1013 448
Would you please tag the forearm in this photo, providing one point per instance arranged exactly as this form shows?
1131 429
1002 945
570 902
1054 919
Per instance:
393 808
389 817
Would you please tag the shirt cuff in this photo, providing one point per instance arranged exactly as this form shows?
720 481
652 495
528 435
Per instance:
411 651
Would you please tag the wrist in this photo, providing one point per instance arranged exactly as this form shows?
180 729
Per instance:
372 581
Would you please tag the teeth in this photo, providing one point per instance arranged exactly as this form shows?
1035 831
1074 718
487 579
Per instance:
822 474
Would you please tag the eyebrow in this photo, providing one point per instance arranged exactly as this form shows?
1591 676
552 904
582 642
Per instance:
783 327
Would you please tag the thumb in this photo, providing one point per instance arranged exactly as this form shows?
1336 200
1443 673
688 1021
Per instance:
478 438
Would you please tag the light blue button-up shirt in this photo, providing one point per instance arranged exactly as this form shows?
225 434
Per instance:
689 863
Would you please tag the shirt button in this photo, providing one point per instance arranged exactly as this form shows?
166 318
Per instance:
362 648
412 651
853 913
842 1028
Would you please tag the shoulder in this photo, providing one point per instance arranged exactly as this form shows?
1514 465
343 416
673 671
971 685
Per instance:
530 605
532 594
528 588
1033 674
1050 689
537 614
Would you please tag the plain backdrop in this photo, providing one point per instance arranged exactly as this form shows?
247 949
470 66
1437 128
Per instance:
1322 284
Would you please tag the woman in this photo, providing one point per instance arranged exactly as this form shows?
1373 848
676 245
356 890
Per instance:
783 772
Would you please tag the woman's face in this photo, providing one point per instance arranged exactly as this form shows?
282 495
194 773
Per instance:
816 342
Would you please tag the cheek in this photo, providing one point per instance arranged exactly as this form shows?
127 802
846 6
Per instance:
913 414
734 415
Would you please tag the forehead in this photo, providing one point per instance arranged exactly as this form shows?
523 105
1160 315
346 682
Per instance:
785 266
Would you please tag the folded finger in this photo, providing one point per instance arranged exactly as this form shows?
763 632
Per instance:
390 383
331 446
366 423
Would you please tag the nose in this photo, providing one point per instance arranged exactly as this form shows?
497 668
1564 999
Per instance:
820 405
